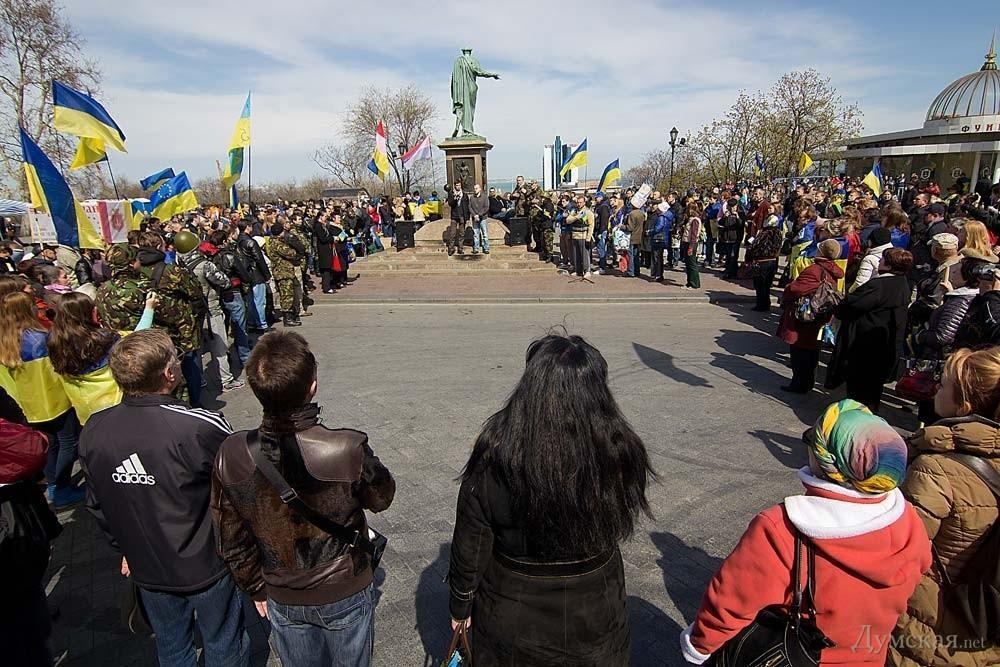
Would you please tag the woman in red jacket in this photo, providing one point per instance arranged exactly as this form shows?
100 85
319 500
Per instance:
802 337
871 547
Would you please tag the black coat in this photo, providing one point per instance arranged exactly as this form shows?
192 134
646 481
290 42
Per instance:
872 328
519 619
459 207
324 247
981 327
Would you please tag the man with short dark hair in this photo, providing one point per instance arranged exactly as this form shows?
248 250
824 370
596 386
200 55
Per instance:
148 464
458 201
253 258
289 501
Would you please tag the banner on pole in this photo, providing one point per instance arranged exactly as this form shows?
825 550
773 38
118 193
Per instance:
108 218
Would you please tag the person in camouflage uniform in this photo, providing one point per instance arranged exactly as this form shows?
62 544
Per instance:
182 302
120 300
300 241
542 219
280 249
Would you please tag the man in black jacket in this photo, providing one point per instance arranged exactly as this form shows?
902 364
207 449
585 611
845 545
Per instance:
253 258
459 203
602 231
148 464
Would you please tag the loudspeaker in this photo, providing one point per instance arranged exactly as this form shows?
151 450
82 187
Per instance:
518 231
404 235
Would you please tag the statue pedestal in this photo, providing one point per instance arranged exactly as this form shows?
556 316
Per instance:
435 234
465 160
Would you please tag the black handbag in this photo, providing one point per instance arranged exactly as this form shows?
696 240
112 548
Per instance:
780 638
371 541
134 615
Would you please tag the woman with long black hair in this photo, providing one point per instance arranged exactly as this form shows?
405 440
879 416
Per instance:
555 482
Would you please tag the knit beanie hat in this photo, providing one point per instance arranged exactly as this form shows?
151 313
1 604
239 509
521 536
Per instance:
857 449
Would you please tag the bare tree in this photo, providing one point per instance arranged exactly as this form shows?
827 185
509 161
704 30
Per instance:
406 114
37 45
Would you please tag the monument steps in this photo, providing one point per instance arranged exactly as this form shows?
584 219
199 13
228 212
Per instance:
435 260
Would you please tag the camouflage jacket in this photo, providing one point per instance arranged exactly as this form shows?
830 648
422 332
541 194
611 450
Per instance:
182 304
283 257
120 301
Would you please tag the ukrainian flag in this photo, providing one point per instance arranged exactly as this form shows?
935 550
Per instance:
173 197
612 174
153 180
50 194
34 385
379 164
81 115
576 160
874 179
140 209
759 164
239 142
88 151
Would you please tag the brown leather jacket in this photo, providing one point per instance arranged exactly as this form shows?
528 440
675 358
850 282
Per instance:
274 552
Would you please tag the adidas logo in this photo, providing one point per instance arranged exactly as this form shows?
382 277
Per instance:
132 472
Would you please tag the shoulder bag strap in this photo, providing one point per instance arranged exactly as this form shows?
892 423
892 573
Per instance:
984 471
355 538
796 610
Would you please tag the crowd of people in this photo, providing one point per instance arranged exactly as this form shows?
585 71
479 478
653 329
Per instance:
99 346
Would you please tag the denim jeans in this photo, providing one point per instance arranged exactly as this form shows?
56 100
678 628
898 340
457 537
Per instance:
237 311
192 371
657 248
64 439
633 261
480 235
259 302
709 251
219 610
218 345
340 634
602 251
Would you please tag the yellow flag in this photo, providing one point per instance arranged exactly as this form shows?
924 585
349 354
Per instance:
804 163
88 151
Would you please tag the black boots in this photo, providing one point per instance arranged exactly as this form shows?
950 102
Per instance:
291 320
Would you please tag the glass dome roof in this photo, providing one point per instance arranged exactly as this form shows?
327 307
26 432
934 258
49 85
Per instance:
976 94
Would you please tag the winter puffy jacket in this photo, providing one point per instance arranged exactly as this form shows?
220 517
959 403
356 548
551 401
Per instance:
945 321
871 550
981 327
957 509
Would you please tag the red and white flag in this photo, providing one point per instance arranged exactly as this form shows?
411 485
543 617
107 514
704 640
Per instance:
421 151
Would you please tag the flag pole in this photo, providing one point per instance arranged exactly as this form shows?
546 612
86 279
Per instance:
250 173
107 160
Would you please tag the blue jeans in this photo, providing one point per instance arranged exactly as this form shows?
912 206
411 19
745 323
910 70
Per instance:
237 311
340 634
602 250
219 610
481 235
259 302
64 440
633 261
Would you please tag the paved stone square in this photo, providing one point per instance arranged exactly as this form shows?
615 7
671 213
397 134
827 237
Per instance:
698 381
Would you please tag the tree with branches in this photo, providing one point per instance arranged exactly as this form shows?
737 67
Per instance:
37 45
407 114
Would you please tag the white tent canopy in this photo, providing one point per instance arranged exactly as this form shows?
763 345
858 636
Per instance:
12 207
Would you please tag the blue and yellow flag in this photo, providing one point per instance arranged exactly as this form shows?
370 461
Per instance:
88 151
758 164
50 194
173 198
576 160
234 197
239 142
379 164
612 174
81 115
874 179
153 180
140 209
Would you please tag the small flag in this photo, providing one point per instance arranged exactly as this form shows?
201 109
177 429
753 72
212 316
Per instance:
153 180
379 164
612 174
173 197
804 163
81 115
140 209
50 194
88 151
759 162
234 197
422 151
576 160
874 179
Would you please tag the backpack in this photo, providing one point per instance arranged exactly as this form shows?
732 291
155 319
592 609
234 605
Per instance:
976 597
821 304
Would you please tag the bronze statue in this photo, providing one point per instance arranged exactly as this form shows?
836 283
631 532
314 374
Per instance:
464 90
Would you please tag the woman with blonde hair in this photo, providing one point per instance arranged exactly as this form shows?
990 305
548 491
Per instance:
958 510
974 241
26 374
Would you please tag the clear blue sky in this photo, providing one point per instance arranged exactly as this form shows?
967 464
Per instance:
621 74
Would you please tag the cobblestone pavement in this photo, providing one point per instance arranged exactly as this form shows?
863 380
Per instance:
698 381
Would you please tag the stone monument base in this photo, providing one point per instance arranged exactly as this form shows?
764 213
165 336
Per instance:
435 234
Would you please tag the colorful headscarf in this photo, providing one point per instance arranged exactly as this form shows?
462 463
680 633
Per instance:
858 449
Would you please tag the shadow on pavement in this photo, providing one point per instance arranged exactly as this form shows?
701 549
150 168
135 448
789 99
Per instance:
788 450
433 617
686 572
663 363
654 635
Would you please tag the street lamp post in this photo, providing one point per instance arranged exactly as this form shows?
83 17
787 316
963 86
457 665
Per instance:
393 156
673 147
